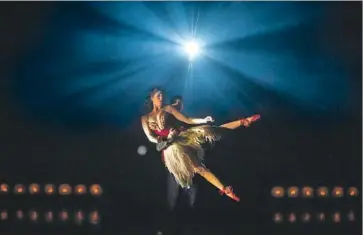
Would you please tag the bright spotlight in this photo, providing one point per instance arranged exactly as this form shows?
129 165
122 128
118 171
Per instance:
192 49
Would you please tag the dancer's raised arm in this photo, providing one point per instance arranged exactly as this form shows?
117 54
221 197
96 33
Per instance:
149 134
181 117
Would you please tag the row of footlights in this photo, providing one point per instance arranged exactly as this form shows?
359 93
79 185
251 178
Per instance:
308 192
78 216
51 189
306 217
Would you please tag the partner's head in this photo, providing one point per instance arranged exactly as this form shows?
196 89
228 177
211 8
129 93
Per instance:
177 102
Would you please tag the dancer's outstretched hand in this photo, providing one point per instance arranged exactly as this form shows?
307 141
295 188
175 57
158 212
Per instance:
208 119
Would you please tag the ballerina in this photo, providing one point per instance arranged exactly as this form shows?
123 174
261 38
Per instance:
184 156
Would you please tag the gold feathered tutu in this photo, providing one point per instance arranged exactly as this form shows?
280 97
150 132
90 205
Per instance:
187 152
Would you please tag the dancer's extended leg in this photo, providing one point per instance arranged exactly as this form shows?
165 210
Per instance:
211 178
232 125
242 122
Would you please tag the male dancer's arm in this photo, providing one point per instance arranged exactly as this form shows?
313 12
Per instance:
163 144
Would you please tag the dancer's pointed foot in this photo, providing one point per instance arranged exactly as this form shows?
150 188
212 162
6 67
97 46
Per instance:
247 121
254 118
229 193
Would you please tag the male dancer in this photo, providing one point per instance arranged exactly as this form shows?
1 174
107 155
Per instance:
173 189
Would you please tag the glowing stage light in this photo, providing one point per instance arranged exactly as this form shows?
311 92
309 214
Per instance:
307 192
338 192
79 217
192 48
321 216
63 215
19 189
33 215
336 217
292 217
278 218
322 192
293 191
94 217
19 214
351 216
4 188
353 191
34 189
49 216
80 189
65 189
277 192
305 217
3 215
96 190
49 189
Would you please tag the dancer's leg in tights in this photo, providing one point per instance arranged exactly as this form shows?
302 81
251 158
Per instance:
209 176
241 122
232 125
173 190
212 179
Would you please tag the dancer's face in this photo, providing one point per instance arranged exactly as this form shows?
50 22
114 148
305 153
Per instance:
157 98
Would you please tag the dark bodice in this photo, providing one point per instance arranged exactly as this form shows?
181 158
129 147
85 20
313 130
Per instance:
160 121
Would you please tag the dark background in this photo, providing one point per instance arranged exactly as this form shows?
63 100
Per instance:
291 145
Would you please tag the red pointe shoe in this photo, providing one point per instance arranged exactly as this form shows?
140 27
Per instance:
254 118
247 121
229 193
